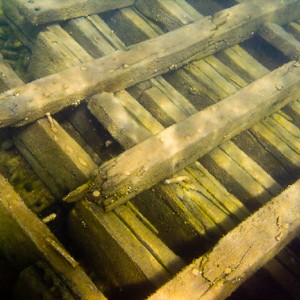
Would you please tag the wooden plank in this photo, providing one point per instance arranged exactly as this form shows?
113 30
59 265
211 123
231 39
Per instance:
55 151
107 109
126 68
55 50
142 263
282 40
8 78
20 226
120 248
91 33
55 10
240 253
132 26
59 161
174 148
164 12
294 28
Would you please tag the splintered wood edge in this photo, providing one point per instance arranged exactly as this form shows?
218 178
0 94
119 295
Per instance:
33 232
160 156
143 61
240 253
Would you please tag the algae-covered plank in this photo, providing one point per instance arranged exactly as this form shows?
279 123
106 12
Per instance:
145 60
42 12
282 40
240 253
25 239
171 150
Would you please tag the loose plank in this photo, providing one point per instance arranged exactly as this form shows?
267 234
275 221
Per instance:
240 253
181 144
42 12
145 60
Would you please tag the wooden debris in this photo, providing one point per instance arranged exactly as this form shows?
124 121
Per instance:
240 253
207 36
171 150
42 12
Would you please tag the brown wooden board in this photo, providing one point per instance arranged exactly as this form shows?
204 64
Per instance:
143 61
171 150
42 12
240 253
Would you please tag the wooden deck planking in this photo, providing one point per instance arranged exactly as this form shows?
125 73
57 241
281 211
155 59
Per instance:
208 35
56 10
239 253
186 132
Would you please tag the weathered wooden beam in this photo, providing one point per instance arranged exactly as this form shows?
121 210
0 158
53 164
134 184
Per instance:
145 60
42 12
25 239
181 144
240 253
58 160
281 39
294 28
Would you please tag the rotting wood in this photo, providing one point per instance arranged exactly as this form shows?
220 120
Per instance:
139 168
240 253
282 40
42 12
122 69
37 242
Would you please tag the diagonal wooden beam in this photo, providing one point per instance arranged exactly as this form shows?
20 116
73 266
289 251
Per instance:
240 253
145 60
171 150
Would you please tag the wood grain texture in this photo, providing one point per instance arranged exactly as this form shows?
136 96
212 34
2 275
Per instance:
145 60
160 156
32 241
240 253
